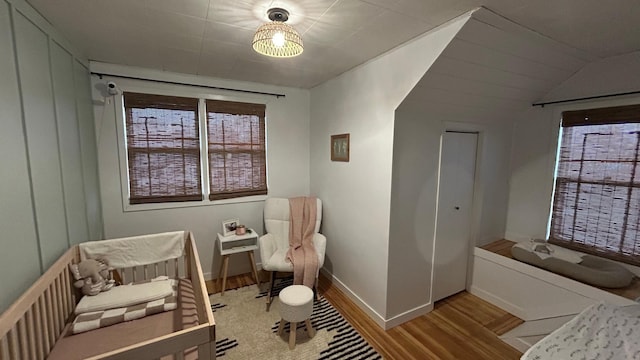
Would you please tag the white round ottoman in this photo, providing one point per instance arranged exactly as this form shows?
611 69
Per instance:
296 305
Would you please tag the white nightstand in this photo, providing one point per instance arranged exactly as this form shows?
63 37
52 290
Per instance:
235 244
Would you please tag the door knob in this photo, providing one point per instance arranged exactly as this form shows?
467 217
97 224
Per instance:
457 207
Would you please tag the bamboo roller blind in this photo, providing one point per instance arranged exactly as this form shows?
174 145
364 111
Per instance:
163 144
236 146
597 196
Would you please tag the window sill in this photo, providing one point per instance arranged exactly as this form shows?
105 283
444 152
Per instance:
188 204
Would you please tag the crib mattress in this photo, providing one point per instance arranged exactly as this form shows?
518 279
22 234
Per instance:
95 342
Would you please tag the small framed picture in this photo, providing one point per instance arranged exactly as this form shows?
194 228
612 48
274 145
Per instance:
340 147
229 227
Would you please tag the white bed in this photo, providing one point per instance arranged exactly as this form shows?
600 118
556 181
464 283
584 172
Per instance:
601 331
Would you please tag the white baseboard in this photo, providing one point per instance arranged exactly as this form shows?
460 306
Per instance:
408 315
499 302
377 318
385 324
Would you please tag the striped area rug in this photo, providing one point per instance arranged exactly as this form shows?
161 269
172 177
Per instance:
245 330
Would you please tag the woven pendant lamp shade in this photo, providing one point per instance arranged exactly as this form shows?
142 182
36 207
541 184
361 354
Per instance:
276 38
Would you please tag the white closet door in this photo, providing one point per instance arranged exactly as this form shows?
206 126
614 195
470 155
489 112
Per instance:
453 227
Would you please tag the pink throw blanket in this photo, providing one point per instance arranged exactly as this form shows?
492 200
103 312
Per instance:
302 254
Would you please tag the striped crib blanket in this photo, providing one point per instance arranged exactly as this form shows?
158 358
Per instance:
98 319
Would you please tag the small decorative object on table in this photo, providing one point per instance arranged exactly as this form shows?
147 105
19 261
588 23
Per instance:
241 230
229 227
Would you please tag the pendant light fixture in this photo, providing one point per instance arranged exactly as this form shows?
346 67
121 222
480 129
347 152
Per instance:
276 38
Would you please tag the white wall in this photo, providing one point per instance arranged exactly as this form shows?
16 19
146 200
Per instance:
88 144
489 73
414 196
287 129
607 76
44 186
535 139
356 194
531 180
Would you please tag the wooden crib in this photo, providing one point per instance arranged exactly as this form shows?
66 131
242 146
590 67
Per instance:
34 324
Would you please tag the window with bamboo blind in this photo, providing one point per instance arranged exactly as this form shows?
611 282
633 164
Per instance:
596 205
163 148
236 149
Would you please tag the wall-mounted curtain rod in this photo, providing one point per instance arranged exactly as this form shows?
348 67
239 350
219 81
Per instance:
584 98
100 75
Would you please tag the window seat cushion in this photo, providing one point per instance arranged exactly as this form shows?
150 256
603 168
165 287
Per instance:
591 270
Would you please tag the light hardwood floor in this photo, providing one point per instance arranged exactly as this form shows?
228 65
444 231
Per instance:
460 327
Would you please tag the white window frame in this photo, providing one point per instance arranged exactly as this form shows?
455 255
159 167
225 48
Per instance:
182 91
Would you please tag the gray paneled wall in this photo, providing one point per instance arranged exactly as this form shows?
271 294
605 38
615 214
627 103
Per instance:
19 258
62 68
32 49
49 196
89 151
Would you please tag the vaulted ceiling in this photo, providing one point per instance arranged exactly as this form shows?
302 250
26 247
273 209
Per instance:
213 37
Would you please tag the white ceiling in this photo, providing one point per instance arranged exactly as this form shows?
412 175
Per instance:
213 37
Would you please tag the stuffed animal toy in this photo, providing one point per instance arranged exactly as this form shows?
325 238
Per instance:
92 276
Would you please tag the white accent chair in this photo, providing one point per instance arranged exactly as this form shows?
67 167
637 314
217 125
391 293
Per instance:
275 243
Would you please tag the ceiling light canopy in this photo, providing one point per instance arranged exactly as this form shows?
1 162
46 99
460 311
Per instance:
276 38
